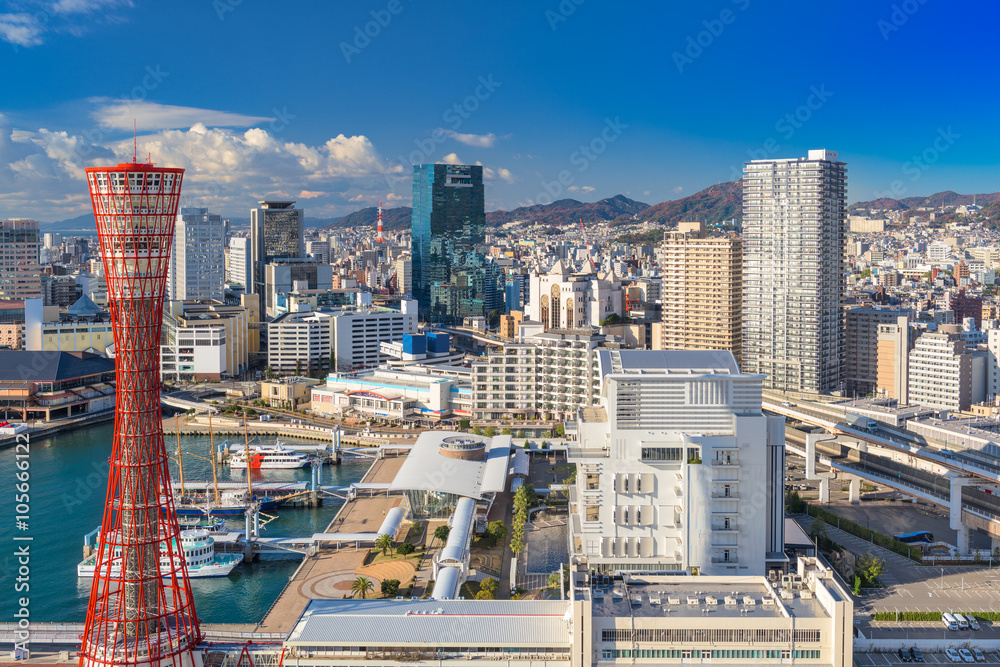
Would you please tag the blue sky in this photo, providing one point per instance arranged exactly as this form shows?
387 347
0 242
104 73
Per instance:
555 98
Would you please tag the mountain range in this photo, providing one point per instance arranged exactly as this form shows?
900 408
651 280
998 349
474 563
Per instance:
715 204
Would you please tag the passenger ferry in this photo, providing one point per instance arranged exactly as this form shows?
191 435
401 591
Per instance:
199 553
263 457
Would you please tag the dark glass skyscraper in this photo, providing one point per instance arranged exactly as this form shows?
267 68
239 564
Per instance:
451 279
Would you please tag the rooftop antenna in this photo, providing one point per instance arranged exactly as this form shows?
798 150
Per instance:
135 144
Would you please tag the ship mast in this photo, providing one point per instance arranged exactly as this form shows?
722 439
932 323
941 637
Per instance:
211 449
246 453
180 459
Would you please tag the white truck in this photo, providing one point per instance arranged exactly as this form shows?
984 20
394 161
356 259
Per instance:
862 423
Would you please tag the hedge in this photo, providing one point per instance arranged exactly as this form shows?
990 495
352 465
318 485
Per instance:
931 615
848 526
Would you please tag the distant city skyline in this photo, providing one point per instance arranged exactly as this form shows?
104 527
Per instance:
531 93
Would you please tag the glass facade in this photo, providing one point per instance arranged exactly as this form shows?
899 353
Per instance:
430 504
276 232
452 279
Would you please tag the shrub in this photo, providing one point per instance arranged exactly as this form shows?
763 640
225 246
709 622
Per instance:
441 532
405 549
390 587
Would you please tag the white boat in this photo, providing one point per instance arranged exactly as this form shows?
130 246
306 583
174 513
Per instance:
263 457
199 553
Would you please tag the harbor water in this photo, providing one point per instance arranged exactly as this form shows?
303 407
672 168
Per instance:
69 475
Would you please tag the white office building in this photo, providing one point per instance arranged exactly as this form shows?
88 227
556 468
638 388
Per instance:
239 265
677 468
794 223
197 259
940 370
351 336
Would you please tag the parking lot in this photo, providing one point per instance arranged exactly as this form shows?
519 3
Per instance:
992 658
912 587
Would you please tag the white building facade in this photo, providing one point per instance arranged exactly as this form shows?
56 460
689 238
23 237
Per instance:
239 266
678 468
794 224
350 337
197 259
549 376
562 299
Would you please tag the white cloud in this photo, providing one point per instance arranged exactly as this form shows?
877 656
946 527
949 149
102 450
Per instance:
35 18
86 6
587 188
451 158
478 140
646 192
21 29
41 171
679 189
572 188
119 114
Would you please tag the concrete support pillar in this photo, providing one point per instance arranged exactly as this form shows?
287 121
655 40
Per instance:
855 492
824 489
955 513
963 540
862 446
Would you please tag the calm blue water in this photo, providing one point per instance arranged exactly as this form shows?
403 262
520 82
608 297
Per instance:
547 548
69 474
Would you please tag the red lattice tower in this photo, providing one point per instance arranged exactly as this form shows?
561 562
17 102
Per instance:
141 610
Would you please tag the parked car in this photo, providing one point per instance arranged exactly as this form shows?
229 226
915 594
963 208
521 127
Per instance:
904 656
966 655
953 655
916 654
979 655
973 623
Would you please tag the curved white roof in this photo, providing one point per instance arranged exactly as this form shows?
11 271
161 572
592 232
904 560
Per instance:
426 469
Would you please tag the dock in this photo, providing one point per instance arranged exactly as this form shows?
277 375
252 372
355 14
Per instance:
329 574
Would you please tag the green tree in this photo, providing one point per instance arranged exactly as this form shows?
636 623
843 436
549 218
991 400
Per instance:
560 430
333 361
384 542
525 496
497 530
869 567
441 533
485 595
517 544
554 581
490 585
298 367
490 431
507 431
389 587
405 549
362 586
817 530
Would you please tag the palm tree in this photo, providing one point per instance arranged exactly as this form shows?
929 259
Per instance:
384 542
362 586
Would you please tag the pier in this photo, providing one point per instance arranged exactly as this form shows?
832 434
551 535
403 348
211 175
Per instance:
329 572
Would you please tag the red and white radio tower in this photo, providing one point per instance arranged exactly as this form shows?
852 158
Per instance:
380 238
141 611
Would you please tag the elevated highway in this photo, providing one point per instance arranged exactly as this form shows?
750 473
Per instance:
896 459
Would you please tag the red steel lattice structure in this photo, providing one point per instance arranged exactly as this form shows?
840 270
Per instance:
141 611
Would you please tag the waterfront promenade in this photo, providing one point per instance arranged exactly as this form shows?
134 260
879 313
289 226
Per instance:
329 574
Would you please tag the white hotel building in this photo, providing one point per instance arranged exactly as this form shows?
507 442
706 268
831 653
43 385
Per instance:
548 375
352 335
678 469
